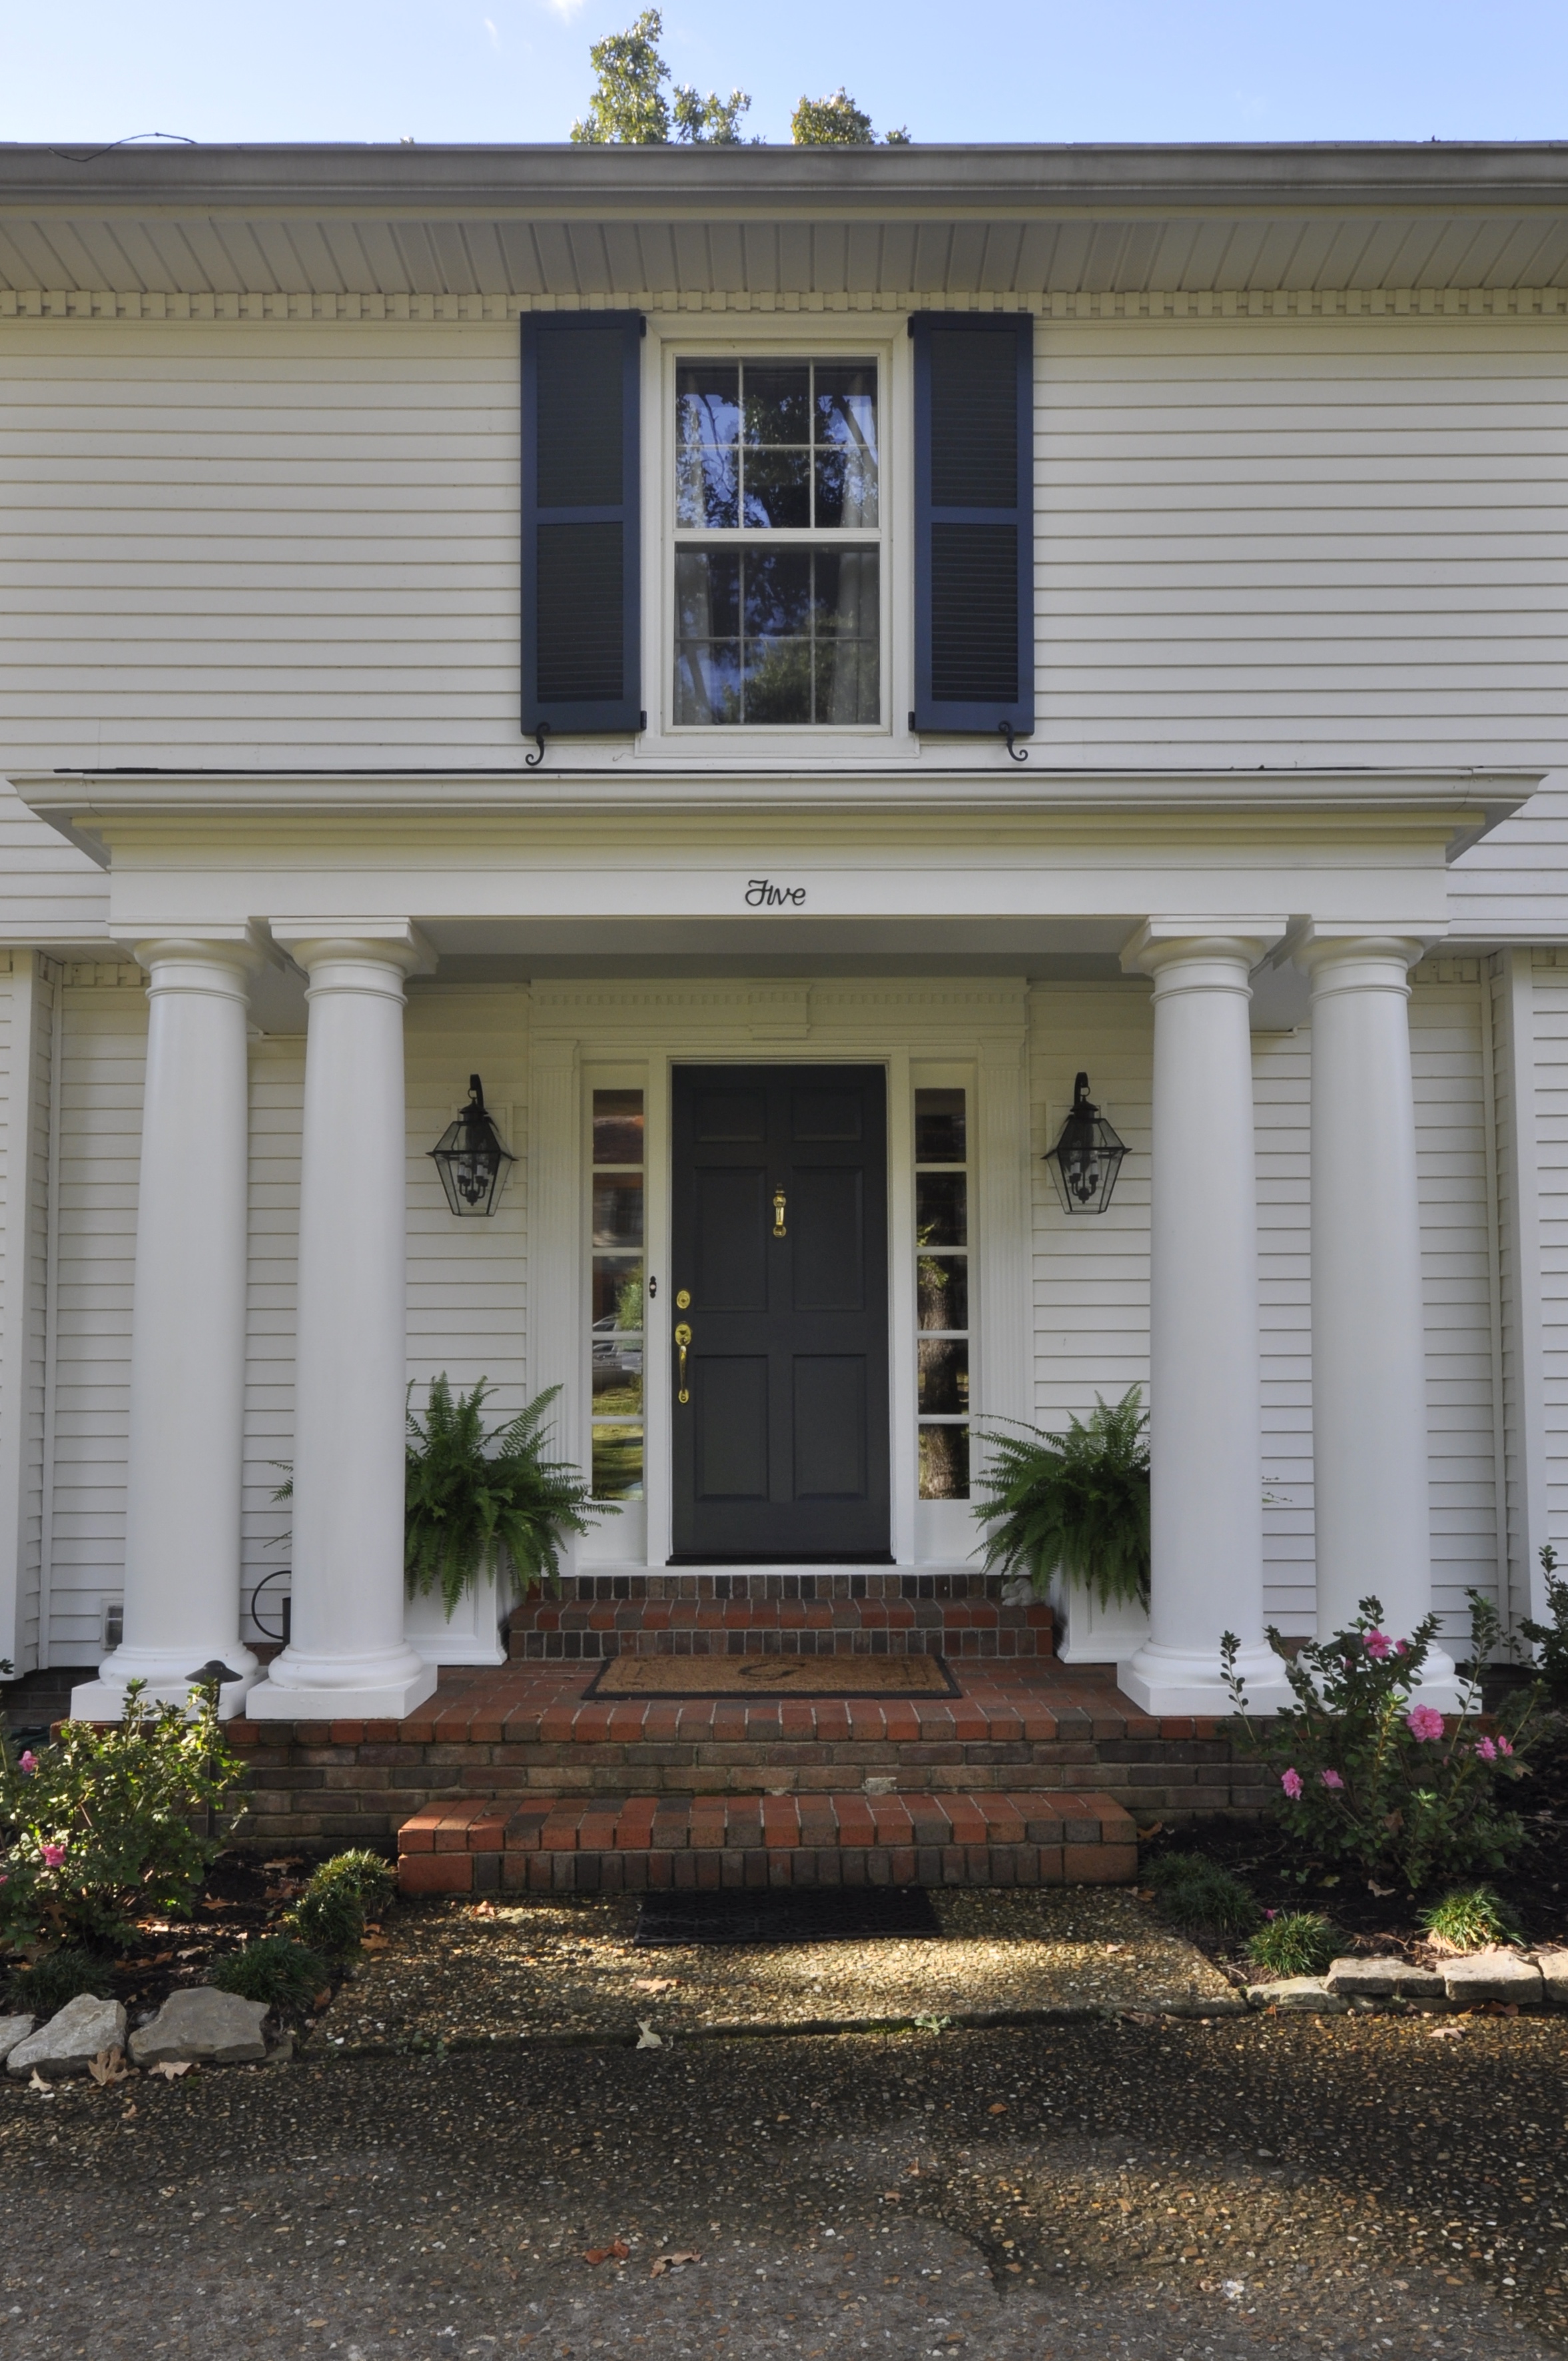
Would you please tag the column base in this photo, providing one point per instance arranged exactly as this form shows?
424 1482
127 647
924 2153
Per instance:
104 1698
283 1698
1442 1685
1188 1680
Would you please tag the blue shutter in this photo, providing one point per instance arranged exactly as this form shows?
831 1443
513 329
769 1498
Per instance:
974 536
581 568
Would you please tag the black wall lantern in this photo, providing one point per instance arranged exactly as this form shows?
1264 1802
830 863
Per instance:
1088 1155
471 1157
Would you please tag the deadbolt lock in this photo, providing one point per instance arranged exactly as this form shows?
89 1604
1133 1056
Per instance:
683 1300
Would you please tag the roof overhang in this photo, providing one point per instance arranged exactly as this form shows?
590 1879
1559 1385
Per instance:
1029 222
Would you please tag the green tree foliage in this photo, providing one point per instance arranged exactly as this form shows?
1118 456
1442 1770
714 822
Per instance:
629 108
837 122
1079 1502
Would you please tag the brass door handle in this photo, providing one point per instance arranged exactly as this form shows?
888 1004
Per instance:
779 1230
683 1339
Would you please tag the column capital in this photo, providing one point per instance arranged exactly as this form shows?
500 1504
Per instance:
1317 943
330 941
1163 942
177 944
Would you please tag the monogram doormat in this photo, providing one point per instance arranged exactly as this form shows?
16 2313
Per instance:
773 1676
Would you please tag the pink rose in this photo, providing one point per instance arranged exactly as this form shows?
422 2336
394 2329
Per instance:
1331 1779
1503 1746
1291 1782
1425 1722
28 1762
1401 1647
1486 1750
1378 1645
53 1855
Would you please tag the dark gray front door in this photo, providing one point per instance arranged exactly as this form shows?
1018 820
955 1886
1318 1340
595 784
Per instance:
780 1448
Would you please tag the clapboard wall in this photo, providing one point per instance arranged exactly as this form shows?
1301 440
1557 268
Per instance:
1259 540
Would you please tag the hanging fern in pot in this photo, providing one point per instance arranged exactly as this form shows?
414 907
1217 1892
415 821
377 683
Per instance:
1076 1502
474 1499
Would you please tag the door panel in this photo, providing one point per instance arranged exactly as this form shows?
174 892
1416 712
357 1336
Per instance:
781 1450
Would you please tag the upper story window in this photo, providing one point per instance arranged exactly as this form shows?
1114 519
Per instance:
778 555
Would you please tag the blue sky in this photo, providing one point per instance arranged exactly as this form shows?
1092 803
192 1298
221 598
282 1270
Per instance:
500 70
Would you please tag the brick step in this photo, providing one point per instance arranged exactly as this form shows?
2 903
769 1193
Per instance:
547 1630
606 1844
817 1583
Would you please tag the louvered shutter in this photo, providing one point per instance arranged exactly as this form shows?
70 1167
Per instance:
581 573
975 542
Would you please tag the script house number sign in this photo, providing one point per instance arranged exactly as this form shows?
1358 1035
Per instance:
761 893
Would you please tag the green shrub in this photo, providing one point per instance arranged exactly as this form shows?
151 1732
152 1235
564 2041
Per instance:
1294 1943
1469 1918
1076 1501
474 1499
106 1824
286 1975
1552 1639
1365 1775
342 1894
58 1977
1193 1890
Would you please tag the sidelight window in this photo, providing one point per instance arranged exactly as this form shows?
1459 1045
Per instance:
777 560
617 1332
942 1291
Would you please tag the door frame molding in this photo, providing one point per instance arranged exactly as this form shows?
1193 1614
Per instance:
632 1032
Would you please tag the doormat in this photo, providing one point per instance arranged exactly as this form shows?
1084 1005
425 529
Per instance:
773 1676
814 1914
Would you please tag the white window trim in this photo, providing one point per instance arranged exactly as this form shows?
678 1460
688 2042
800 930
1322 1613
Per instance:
809 335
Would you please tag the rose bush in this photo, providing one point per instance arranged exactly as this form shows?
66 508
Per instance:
104 1824
1365 1775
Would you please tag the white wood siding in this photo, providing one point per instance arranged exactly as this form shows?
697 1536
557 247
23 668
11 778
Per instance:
1259 541
1549 991
1260 546
28 995
104 1056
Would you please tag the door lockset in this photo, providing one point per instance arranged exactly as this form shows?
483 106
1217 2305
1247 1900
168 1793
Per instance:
779 1230
683 1341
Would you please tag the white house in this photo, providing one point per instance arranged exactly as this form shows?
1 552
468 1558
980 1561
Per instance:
777 660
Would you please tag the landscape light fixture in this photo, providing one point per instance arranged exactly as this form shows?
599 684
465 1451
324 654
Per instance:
471 1158
1087 1157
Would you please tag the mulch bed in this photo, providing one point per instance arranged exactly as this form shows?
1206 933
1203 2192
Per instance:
1274 1866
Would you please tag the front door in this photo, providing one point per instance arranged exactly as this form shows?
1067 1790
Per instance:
780 1269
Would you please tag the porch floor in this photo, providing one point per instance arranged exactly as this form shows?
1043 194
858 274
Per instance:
1031 1739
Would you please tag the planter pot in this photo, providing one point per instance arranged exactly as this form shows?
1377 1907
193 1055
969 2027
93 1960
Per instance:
1088 1633
473 1633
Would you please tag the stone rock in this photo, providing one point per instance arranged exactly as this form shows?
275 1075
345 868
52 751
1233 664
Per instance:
1299 1993
1381 1979
12 2030
1495 1975
69 2042
1553 1966
208 2027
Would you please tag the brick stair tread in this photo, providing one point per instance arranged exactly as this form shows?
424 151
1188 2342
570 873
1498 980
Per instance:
777 1615
603 1843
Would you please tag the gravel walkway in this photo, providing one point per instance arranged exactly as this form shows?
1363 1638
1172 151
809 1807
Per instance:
462 1972
1168 2192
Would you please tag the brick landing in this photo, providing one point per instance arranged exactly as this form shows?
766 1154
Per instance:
703 1842
522 1734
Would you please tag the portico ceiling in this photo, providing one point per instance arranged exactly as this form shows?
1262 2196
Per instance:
779 223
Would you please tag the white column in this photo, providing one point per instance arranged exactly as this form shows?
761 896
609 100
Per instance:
1205 1415
1369 1401
346 1652
187 1369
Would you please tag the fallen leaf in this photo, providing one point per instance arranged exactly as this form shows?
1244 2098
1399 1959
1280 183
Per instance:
616 2251
194 1953
323 1998
1446 2033
127 2111
655 1984
675 2262
1373 1887
646 2037
37 2083
376 1943
108 2066
213 1903
484 1909
171 2068
997 2107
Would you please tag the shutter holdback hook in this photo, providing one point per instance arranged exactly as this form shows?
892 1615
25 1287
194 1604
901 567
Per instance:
1017 754
532 762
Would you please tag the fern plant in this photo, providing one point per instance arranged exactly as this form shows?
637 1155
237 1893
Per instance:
474 1499
1079 1502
